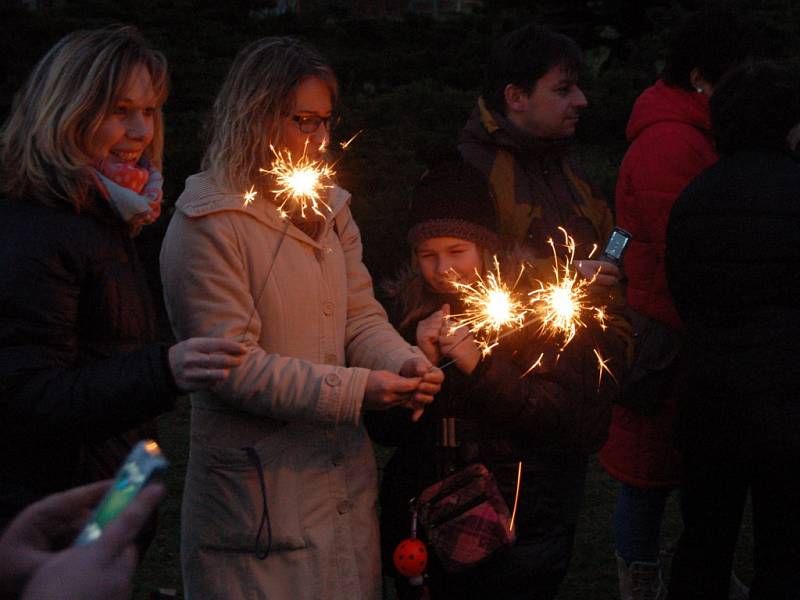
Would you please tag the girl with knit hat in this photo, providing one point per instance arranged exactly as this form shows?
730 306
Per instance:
550 420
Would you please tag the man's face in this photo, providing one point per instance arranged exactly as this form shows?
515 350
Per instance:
551 110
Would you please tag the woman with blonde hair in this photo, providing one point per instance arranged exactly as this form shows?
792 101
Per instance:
81 377
281 484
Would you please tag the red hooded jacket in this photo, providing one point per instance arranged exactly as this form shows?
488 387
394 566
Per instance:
670 144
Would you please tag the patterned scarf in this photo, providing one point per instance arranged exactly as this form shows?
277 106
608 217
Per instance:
133 191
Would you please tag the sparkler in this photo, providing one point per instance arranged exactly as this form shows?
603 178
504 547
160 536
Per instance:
562 306
490 307
300 182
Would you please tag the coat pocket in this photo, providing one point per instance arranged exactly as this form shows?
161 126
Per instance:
232 504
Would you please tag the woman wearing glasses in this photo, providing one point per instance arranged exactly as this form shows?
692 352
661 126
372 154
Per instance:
281 484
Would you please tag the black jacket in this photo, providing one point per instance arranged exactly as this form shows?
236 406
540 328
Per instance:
550 420
733 266
79 381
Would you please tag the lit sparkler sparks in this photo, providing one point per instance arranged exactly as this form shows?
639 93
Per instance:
602 365
562 306
490 307
250 195
301 182
344 145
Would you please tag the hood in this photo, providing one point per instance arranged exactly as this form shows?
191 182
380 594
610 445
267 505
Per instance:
664 103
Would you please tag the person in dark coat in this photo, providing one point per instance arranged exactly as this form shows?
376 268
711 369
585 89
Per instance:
507 412
669 131
81 379
520 137
733 246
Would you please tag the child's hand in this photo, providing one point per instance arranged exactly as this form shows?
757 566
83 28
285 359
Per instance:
459 345
428 334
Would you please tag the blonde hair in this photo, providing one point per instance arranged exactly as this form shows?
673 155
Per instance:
55 115
249 111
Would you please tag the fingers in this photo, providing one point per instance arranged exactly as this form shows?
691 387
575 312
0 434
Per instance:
400 386
433 376
416 367
601 272
200 362
64 512
123 530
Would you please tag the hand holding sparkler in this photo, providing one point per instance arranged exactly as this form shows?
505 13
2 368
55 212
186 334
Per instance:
599 272
414 387
457 343
431 379
428 331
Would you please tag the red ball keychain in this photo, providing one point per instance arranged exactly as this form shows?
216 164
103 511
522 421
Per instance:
411 556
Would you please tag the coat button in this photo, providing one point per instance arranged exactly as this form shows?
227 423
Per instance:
343 507
327 308
333 379
331 359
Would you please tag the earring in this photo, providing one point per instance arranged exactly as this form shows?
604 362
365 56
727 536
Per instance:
699 90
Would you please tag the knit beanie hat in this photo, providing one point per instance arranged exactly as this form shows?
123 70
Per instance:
453 199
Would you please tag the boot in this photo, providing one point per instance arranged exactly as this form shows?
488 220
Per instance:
640 581
738 590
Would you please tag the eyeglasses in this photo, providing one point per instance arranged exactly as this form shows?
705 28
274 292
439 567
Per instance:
310 123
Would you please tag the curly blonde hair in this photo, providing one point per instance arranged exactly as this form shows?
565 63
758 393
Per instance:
250 108
57 112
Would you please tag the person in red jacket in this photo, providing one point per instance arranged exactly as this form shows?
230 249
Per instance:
670 144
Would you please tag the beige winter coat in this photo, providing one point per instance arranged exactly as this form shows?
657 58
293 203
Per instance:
292 400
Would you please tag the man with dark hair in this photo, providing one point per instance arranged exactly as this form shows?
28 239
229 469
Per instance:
733 245
520 138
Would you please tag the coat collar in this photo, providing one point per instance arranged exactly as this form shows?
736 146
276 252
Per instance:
202 197
486 126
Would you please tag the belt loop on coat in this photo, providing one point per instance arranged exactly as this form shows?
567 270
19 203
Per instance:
253 456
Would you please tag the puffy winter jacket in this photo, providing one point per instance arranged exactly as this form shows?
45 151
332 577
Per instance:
670 143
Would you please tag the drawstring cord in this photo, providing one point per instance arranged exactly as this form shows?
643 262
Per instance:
253 456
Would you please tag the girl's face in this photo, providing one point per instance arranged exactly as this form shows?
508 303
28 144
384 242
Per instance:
127 130
445 259
310 119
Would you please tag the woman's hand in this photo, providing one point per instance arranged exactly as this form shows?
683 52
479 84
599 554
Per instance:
414 388
604 273
199 363
459 345
428 334
431 379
